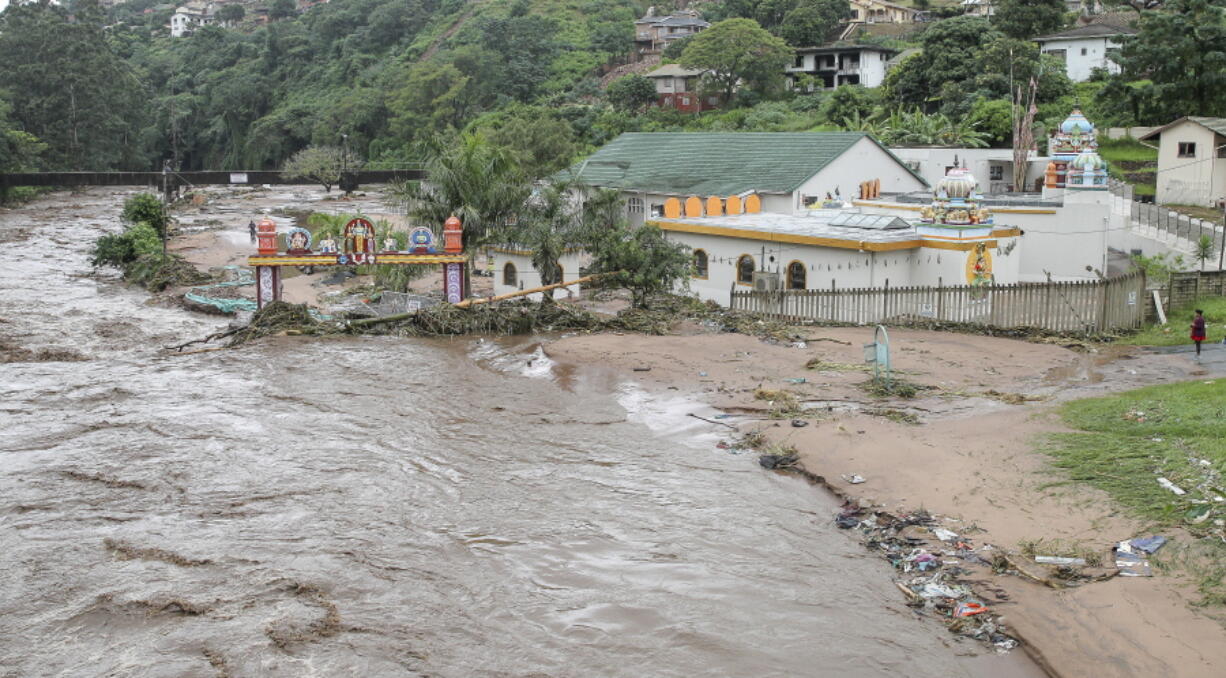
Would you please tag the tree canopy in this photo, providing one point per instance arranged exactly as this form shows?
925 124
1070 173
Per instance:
1023 19
737 52
1182 52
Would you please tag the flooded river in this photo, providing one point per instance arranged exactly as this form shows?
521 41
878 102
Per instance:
390 507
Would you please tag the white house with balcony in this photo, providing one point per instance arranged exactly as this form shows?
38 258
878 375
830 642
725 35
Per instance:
863 65
1085 49
652 33
191 16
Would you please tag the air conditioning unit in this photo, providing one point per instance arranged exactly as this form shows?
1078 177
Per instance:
765 282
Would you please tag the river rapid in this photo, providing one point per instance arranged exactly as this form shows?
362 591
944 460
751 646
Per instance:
391 507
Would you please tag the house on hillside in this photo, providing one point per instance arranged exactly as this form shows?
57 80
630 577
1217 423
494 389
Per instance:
979 7
731 172
1086 48
191 16
677 87
652 34
1191 161
832 66
881 12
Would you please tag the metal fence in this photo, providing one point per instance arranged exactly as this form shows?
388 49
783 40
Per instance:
1088 306
1186 231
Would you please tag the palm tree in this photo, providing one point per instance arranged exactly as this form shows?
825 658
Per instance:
468 178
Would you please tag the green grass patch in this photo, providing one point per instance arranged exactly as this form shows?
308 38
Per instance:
1178 329
1126 150
1125 442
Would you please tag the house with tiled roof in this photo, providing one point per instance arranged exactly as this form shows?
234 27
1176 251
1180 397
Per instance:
1086 48
1191 160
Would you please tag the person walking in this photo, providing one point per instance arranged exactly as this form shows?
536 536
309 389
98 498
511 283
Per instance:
1198 330
251 230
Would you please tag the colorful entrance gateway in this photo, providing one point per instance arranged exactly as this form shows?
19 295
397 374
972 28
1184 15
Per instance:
357 247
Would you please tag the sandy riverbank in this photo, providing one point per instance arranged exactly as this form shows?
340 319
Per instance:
972 458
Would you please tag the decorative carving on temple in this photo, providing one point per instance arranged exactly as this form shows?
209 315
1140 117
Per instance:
956 201
1075 162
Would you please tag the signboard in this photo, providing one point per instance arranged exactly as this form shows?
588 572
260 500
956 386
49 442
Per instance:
238 177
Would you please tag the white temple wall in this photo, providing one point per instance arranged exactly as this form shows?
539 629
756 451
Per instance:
527 277
1065 243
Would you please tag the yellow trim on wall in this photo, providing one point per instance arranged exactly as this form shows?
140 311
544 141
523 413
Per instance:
915 208
964 246
768 236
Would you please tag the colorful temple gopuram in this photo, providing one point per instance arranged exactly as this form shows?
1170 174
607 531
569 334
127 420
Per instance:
1075 163
956 202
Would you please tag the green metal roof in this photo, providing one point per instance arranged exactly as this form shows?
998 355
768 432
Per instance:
714 163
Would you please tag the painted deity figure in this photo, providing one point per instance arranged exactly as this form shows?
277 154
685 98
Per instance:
390 244
359 236
327 245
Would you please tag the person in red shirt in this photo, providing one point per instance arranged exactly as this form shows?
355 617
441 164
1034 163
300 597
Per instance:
1198 329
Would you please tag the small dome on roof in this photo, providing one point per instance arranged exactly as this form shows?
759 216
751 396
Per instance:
1088 159
1076 122
958 183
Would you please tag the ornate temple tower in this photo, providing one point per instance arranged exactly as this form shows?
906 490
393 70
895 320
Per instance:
1075 135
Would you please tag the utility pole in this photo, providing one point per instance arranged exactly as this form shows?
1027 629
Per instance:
1221 259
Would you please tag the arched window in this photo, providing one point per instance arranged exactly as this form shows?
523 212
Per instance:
700 264
508 275
796 276
744 269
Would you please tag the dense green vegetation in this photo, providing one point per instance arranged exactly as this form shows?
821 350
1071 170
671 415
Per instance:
84 88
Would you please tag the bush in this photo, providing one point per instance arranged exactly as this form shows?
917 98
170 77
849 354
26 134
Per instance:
121 249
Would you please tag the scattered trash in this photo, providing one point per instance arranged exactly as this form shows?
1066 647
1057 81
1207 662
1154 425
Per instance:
944 534
1198 514
1130 555
1135 415
1058 560
702 374
799 344
777 461
796 380
854 479
969 609
1148 545
723 445
722 416
642 369
1132 565
799 423
1171 486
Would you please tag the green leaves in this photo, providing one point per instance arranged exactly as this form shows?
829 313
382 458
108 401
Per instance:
737 51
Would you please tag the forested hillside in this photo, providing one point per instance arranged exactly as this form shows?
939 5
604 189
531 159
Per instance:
86 88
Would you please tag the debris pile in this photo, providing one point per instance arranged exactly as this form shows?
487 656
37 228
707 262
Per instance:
931 578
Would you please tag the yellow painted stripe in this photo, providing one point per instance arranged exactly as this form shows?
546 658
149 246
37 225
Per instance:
964 246
910 207
769 236
330 260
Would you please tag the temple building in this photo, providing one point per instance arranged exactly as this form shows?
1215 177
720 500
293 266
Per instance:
954 241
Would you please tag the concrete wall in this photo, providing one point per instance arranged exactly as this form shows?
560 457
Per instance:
844 268
932 164
1189 181
528 277
862 162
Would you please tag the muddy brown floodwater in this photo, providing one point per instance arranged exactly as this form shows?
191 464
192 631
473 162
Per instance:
391 507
